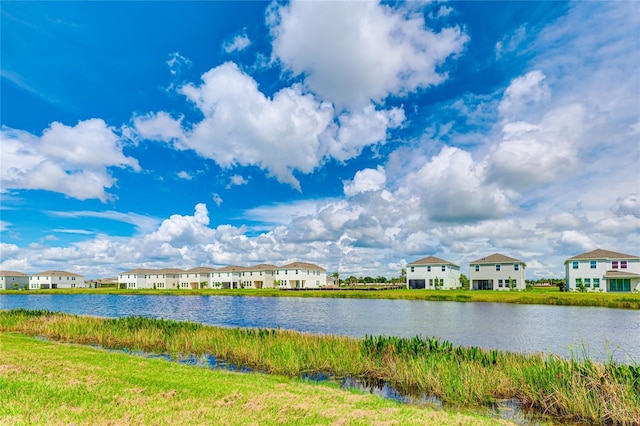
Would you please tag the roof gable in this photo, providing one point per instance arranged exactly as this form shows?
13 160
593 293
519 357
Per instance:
302 265
497 258
431 260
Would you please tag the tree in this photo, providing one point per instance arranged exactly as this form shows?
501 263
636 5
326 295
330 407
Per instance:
403 275
580 285
336 278
438 283
381 279
464 281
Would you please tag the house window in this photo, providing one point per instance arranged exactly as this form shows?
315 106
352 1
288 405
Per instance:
614 264
477 268
516 266
623 284
575 265
596 283
430 282
587 282
592 264
412 269
498 268
428 269
444 268
499 283
623 264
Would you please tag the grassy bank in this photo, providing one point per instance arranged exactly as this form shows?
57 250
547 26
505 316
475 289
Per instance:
53 383
567 389
546 296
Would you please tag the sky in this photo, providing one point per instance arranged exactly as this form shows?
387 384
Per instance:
359 136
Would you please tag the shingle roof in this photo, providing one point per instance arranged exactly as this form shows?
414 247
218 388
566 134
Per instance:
302 265
12 274
603 254
230 269
497 258
261 267
139 271
58 273
431 260
200 269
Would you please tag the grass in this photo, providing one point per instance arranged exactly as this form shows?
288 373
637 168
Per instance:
579 390
546 296
53 383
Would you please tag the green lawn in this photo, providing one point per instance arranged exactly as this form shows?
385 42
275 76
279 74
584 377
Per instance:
544 296
54 383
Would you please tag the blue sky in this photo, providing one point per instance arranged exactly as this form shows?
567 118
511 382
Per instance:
356 135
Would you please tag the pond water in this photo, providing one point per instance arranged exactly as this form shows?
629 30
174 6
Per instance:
601 333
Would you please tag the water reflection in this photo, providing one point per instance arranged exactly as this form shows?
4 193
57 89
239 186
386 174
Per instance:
565 330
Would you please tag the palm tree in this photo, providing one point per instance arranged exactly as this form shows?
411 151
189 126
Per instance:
336 278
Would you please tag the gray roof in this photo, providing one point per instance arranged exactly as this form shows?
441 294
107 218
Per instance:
302 265
431 260
12 274
600 254
621 274
496 258
53 273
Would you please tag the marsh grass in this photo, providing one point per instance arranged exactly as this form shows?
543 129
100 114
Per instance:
570 389
546 296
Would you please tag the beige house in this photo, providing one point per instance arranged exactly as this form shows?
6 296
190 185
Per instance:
55 279
433 273
497 272
13 280
258 276
301 275
603 270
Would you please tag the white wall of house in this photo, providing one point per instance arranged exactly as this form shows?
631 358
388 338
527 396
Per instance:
428 275
303 277
226 278
134 280
599 274
257 277
497 275
13 280
56 279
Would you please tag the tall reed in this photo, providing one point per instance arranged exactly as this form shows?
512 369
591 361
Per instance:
576 389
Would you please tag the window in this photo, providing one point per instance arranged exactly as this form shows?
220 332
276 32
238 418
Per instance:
477 268
596 283
412 269
516 266
499 283
498 268
575 265
444 268
592 264
428 269
587 282
614 264
621 284
623 264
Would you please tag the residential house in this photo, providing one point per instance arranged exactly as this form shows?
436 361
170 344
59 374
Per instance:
195 278
301 275
227 277
135 279
603 270
433 273
167 278
497 272
12 280
258 276
55 279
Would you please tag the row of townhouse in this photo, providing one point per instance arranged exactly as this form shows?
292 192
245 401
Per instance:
597 270
292 275
10 280
495 272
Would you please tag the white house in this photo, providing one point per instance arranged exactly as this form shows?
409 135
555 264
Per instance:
55 279
195 278
11 280
258 276
497 272
301 275
433 273
135 279
227 277
603 270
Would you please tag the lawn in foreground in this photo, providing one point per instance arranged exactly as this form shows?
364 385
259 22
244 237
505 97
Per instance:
53 383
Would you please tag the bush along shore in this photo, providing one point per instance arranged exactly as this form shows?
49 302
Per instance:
569 390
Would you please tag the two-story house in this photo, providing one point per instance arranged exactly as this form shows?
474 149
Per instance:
603 270
433 273
497 272
301 275
55 279
13 280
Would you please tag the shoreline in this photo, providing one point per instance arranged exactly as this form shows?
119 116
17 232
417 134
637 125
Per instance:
546 296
